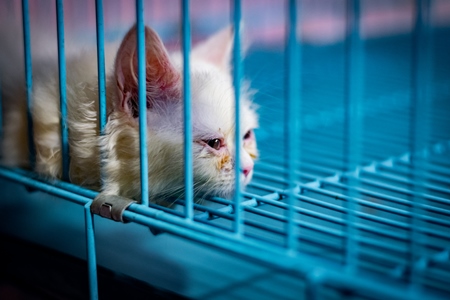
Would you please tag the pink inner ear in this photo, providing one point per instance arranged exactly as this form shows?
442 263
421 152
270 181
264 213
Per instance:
163 80
216 49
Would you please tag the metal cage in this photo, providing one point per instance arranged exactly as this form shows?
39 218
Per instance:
351 195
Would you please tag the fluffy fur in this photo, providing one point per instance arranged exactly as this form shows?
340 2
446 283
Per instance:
212 115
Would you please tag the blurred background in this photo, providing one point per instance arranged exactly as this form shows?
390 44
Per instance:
321 22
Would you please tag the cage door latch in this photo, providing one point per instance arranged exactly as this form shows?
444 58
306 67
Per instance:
110 206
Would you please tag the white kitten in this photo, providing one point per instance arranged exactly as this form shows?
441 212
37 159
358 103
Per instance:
212 115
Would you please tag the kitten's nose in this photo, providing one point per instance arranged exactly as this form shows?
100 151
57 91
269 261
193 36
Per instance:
247 169
246 164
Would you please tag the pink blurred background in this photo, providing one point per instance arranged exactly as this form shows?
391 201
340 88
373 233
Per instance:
322 21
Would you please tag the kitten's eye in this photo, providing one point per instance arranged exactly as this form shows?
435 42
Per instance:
214 143
248 135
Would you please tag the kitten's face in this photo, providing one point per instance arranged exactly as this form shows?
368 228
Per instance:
214 133
213 118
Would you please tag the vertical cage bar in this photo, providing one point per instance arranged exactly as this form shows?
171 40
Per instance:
420 78
292 113
188 164
62 90
140 27
90 251
237 76
28 79
101 65
353 122
314 284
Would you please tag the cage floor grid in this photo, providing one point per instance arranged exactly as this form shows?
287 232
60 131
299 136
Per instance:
386 181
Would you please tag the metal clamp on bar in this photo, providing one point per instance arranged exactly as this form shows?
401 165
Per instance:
110 206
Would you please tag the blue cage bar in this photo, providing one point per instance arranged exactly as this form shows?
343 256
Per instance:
188 161
420 80
142 95
62 90
28 77
101 65
293 114
90 251
353 127
237 77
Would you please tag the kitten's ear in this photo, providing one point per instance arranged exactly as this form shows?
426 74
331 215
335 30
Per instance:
217 49
162 79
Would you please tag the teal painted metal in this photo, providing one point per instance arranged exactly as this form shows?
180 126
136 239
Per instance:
28 79
293 115
62 89
315 279
261 253
90 251
142 95
101 65
237 78
420 80
102 105
353 127
29 179
188 159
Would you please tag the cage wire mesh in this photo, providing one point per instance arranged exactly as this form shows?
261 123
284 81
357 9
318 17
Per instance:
351 193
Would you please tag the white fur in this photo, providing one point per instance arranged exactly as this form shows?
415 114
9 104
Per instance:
212 115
